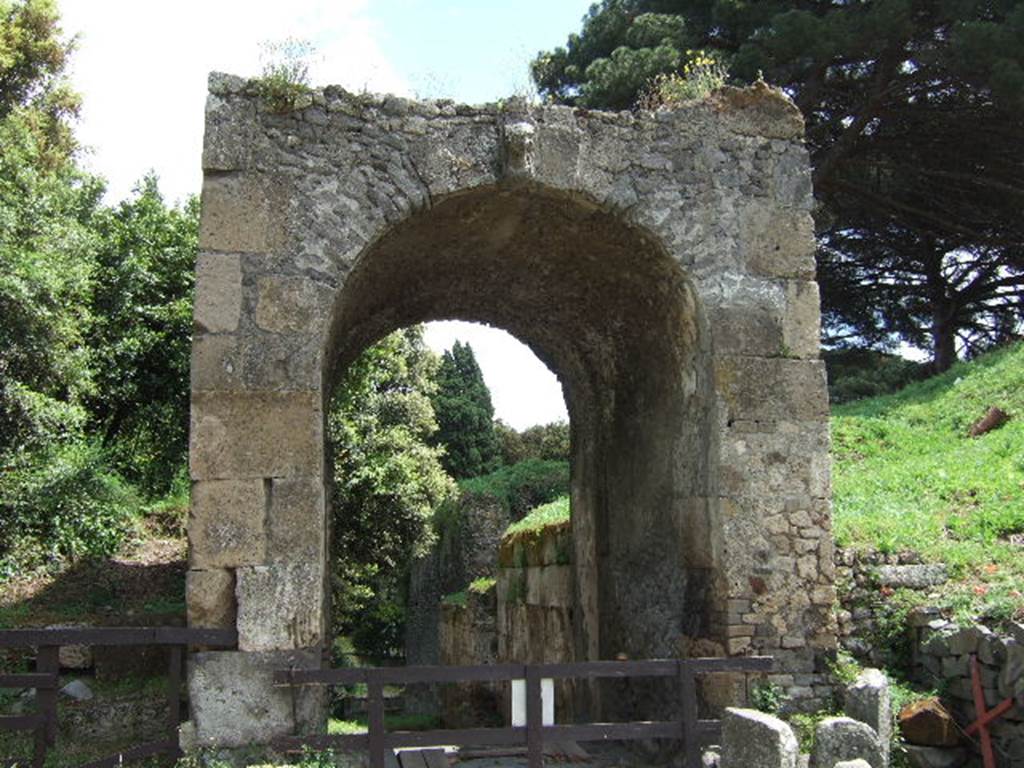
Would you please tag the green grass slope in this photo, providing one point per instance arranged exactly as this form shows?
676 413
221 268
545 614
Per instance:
907 476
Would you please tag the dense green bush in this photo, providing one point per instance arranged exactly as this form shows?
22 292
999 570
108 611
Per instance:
522 486
854 374
61 503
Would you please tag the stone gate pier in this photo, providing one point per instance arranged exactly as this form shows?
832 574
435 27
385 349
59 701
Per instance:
660 264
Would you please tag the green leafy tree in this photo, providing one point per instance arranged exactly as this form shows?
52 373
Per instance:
142 334
465 415
46 240
549 442
33 57
388 482
59 500
913 111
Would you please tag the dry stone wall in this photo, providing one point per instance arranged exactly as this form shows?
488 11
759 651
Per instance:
661 264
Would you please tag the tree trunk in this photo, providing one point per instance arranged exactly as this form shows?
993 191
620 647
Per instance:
943 328
943 339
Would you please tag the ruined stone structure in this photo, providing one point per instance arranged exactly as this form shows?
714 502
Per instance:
660 264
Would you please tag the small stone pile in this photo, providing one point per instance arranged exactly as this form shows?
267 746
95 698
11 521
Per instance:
943 652
752 739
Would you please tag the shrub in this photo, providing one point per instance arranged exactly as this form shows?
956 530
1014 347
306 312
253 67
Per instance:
62 503
523 486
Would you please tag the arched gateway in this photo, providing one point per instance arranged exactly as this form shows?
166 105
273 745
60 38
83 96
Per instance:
661 265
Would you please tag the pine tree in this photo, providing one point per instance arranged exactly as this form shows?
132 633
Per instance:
914 112
465 415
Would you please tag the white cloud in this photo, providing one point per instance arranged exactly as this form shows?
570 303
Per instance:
142 69
524 392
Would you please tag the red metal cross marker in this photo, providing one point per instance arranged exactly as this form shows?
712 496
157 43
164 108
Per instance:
985 716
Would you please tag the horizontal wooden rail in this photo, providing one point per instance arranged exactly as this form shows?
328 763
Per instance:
692 731
592 669
21 722
403 675
24 638
38 680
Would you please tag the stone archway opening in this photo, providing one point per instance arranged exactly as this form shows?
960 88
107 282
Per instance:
660 264
614 317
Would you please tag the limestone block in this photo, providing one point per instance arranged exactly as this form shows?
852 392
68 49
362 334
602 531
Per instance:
291 305
748 329
225 527
243 213
556 154
230 133
765 389
762 466
914 577
801 324
280 606
255 434
777 242
218 299
256 361
216 362
210 598
868 700
1011 677
235 703
557 585
296 520
843 738
752 739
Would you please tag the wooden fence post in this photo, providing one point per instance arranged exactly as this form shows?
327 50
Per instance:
534 718
688 689
48 662
174 692
375 719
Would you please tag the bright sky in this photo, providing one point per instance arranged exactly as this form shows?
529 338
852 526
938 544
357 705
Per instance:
141 68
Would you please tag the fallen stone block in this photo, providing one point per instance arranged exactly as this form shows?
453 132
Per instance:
752 739
843 738
928 723
913 576
868 700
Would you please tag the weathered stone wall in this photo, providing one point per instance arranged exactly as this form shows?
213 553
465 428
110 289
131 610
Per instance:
467 637
661 264
467 549
535 598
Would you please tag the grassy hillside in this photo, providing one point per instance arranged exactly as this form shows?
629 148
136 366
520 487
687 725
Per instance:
907 476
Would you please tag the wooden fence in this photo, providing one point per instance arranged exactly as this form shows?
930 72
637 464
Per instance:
45 680
378 740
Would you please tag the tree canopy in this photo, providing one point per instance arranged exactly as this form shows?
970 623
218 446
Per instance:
388 481
914 116
96 320
465 415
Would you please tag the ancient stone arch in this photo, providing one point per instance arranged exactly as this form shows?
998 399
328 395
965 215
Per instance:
660 264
